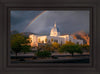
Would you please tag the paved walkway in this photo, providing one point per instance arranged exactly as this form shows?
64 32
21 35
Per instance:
32 54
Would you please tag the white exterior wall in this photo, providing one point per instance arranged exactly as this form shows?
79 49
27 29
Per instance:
33 39
77 41
66 38
42 38
60 39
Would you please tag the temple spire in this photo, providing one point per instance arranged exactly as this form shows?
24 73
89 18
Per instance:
55 24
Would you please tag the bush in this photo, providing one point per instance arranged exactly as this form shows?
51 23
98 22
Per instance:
43 54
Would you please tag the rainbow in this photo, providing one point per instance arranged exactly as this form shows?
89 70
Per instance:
34 20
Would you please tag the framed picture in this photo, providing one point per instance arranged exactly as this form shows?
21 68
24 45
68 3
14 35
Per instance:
46 40
49 37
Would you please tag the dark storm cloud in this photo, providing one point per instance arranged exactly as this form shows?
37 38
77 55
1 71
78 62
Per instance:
67 21
19 19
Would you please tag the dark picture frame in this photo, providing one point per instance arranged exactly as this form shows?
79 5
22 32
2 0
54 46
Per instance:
7 68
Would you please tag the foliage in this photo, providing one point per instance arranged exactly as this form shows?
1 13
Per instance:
68 48
55 45
14 32
79 49
63 48
86 47
43 54
40 47
26 48
19 42
47 47
71 48
69 43
52 40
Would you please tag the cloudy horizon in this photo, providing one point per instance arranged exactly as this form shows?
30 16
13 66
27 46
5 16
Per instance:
41 22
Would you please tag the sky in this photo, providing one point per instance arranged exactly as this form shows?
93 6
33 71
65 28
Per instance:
41 22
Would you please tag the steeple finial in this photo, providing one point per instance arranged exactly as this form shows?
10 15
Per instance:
55 24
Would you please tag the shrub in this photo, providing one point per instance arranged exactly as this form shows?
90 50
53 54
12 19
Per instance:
43 54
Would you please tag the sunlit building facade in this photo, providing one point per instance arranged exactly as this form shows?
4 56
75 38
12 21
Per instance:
54 37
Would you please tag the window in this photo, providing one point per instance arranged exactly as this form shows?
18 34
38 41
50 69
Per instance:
42 41
61 42
48 41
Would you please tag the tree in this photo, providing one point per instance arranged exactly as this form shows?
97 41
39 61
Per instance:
47 47
25 48
14 32
19 42
70 49
16 47
69 43
63 48
86 47
55 45
40 47
79 49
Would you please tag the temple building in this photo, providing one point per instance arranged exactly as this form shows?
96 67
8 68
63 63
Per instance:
54 37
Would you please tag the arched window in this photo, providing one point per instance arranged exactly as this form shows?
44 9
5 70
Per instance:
42 41
48 41
61 42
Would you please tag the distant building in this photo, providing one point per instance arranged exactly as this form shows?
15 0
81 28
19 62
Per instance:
54 37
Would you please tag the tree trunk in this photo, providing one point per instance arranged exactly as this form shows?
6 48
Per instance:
16 55
72 54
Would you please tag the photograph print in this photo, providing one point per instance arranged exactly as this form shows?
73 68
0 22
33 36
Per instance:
49 36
